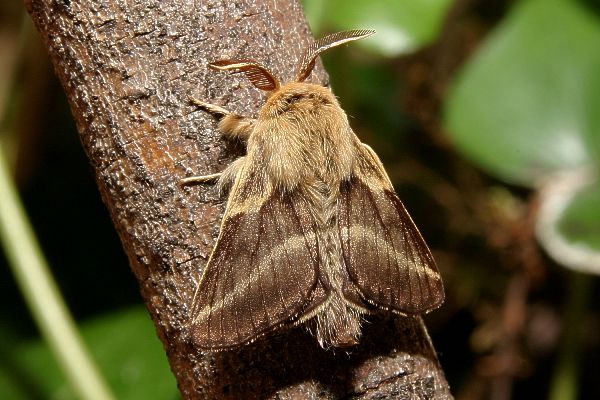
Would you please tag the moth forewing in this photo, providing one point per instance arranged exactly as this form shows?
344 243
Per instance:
313 231
383 250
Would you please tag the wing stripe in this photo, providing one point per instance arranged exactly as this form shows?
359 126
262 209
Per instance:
259 285
276 274
393 268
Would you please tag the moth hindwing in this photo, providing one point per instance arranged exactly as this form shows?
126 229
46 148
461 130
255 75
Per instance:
313 230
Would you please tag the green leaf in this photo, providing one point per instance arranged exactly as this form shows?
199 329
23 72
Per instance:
126 348
568 224
580 222
402 25
523 108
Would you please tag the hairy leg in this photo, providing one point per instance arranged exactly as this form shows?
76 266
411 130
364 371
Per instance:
231 125
223 179
193 180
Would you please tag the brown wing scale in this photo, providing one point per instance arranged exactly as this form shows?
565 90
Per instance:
384 253
263 270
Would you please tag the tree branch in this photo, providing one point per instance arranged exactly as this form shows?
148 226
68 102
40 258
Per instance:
128 68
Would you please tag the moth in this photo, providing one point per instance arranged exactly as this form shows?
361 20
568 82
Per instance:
313 230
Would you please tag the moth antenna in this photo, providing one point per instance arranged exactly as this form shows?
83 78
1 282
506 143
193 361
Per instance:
307 62
259 75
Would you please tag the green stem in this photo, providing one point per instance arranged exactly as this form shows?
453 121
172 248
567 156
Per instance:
565 380
42 295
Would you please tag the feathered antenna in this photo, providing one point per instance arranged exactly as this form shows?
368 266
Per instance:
259 75
307 62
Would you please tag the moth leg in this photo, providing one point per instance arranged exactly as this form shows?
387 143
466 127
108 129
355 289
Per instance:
211 108
232 126
229 174
193 180
223 179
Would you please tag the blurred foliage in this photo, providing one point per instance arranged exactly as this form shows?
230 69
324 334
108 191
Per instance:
127 350
525 109
402 25
520 108
580 220
510 85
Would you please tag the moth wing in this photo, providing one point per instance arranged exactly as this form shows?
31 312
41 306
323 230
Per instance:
263 269
385 255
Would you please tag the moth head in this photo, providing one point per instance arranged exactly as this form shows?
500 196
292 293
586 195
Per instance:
262 78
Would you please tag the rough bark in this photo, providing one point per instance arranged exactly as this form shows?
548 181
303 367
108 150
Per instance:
128 67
